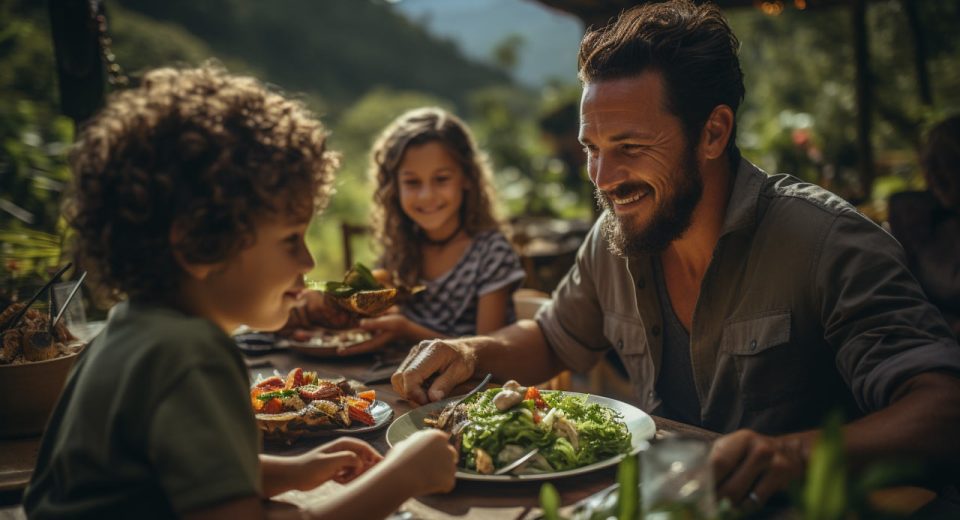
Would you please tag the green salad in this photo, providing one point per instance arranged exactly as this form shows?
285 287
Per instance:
569 431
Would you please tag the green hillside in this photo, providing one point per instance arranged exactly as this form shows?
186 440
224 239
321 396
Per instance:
336 49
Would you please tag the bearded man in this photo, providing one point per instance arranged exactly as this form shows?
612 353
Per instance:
746 303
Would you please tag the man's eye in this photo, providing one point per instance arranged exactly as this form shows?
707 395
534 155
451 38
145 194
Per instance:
632 148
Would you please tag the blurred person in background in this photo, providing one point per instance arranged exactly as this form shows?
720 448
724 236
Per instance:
927 223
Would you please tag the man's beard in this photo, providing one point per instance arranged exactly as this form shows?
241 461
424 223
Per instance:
671 217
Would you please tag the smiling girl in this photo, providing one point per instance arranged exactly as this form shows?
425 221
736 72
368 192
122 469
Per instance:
435 220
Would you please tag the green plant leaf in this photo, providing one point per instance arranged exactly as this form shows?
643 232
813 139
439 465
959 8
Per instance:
628 503
825 491
550 502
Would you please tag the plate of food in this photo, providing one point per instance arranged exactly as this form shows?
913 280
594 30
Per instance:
574 433
323 342
304 405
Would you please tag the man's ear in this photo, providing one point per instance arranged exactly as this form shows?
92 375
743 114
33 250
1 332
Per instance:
716 132
192 269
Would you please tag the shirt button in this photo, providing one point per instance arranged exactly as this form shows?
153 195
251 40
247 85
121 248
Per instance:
641 283
753 345
655 331
620 344
650 394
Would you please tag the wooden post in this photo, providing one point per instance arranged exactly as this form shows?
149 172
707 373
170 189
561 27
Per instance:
76 44
864 95
919 51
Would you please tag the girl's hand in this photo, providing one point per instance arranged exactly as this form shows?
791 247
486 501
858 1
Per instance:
394 322
387 328
429 455
341 460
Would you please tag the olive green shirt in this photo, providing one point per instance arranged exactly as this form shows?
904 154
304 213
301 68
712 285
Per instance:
155 421
806 306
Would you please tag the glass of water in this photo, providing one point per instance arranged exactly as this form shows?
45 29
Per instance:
676 480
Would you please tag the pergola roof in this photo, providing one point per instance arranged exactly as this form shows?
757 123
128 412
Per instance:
599 12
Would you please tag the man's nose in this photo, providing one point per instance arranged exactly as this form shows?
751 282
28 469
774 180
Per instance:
606 173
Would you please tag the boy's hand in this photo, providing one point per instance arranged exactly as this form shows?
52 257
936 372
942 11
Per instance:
341 460
429 455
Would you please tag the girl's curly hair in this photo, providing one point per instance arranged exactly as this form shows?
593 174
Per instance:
393 229
200 149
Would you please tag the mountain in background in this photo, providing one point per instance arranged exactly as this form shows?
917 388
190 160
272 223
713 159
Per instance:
337 49
550 39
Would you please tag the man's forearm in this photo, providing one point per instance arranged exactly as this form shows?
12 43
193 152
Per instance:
519 352
922 423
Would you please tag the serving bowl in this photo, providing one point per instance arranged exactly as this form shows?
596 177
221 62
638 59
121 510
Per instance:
28 393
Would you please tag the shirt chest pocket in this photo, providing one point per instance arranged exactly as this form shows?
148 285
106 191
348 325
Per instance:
769 367
627 336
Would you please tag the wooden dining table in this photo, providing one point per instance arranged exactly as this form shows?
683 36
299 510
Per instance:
468 500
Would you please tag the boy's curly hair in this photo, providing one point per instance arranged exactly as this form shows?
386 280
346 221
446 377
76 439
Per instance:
199 149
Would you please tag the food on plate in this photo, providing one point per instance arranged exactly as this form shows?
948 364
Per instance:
496 427
324 338
32 339
340 305
286 408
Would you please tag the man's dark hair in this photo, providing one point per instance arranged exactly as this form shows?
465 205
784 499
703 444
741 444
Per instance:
691 45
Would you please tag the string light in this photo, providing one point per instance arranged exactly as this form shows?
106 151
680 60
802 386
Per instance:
771 7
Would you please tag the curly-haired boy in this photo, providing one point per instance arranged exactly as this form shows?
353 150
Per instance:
191 199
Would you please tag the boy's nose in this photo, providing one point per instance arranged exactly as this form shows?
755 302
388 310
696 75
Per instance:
307 263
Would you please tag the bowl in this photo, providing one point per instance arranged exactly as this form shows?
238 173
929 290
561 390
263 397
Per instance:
28 393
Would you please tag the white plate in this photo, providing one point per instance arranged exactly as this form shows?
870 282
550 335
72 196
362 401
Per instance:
639 424
381 412
324 342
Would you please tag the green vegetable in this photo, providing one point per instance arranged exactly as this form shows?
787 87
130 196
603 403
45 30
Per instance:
601 431
280 394
361 279
358 278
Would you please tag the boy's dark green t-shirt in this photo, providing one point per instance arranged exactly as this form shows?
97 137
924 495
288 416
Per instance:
154 421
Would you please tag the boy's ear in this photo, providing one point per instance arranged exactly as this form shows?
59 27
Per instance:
716 132
193 270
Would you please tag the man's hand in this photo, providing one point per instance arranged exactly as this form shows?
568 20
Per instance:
750 468
452 360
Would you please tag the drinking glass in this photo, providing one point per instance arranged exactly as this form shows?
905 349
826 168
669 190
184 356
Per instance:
676 480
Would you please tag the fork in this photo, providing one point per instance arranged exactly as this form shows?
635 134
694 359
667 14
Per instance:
516 464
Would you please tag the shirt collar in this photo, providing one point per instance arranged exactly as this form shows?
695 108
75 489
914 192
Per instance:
744 198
